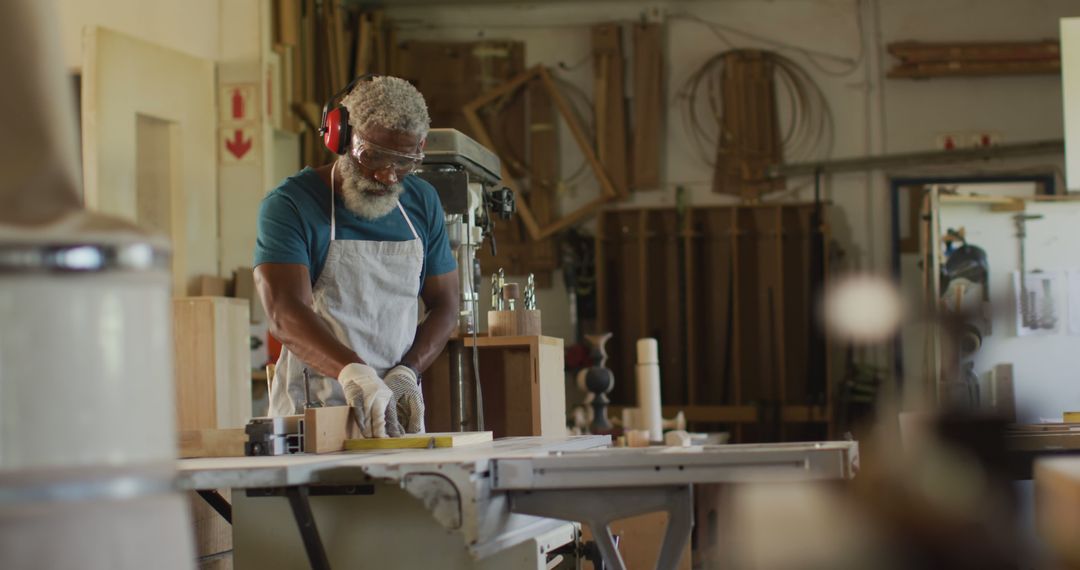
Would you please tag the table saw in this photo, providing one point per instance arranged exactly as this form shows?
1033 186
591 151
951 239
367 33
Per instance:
502 504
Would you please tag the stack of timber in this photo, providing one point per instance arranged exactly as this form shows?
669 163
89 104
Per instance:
727 292
920 60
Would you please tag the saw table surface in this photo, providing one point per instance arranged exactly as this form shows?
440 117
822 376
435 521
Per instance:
493 496
300 469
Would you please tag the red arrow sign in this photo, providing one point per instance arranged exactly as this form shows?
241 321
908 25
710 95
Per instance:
238 146
237 104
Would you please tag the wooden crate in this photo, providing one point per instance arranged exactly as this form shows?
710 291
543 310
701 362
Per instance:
212 362
522 382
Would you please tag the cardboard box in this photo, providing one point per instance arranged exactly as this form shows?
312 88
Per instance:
244 277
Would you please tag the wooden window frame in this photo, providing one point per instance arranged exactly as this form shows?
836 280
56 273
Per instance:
608 191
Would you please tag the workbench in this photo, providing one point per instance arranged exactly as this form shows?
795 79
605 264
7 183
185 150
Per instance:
503 504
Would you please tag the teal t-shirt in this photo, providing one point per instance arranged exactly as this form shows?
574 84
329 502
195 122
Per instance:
294 224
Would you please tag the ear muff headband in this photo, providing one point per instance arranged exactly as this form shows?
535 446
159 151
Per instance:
334 126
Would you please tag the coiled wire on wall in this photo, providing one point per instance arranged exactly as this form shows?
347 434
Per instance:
808 133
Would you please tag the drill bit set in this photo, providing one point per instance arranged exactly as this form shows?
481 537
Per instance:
513 314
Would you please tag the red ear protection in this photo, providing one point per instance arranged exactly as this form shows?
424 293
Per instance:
334 128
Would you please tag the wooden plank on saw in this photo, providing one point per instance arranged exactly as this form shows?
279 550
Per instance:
420 441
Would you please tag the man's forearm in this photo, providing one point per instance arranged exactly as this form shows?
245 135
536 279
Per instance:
305 334
431 338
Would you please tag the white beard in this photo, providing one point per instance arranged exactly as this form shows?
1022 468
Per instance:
360 193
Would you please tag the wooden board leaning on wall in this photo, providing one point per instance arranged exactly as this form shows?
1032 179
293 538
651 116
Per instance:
727 293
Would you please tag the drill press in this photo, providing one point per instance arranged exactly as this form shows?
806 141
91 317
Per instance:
467 177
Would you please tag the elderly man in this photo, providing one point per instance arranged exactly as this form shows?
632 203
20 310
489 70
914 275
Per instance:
343 253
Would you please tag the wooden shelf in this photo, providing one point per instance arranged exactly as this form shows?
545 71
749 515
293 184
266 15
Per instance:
486 341
739 414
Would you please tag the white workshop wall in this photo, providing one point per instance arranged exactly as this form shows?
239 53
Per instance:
871 115
1046 369
190 26
231 33
242 185
126 78
1070 75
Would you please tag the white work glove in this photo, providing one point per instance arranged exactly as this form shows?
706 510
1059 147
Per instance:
369 396
408 400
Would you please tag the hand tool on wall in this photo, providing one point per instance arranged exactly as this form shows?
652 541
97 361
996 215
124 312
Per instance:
1027 315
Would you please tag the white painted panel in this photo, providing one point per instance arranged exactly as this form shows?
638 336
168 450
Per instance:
191 26
1070 89
123 78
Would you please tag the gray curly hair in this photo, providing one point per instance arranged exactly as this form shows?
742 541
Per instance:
389 102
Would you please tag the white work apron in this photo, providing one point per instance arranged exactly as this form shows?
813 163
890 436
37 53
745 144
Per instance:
367 294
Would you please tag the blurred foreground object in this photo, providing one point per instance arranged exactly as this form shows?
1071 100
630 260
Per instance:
862 309
943 500
87 450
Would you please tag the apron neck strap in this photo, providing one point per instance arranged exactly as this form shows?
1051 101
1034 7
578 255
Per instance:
408 221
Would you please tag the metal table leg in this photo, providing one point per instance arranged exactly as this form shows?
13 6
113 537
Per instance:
218 503
598 508
305 520
301 507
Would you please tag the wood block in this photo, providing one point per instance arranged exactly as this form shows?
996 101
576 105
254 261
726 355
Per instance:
514 323
637 438
419 441
550 369
1057 506
326 429
211 286
212 362
245 289
212 442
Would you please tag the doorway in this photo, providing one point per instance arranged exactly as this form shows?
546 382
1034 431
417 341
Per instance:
906 196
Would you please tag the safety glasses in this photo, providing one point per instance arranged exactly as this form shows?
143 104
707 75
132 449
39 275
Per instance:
378 158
